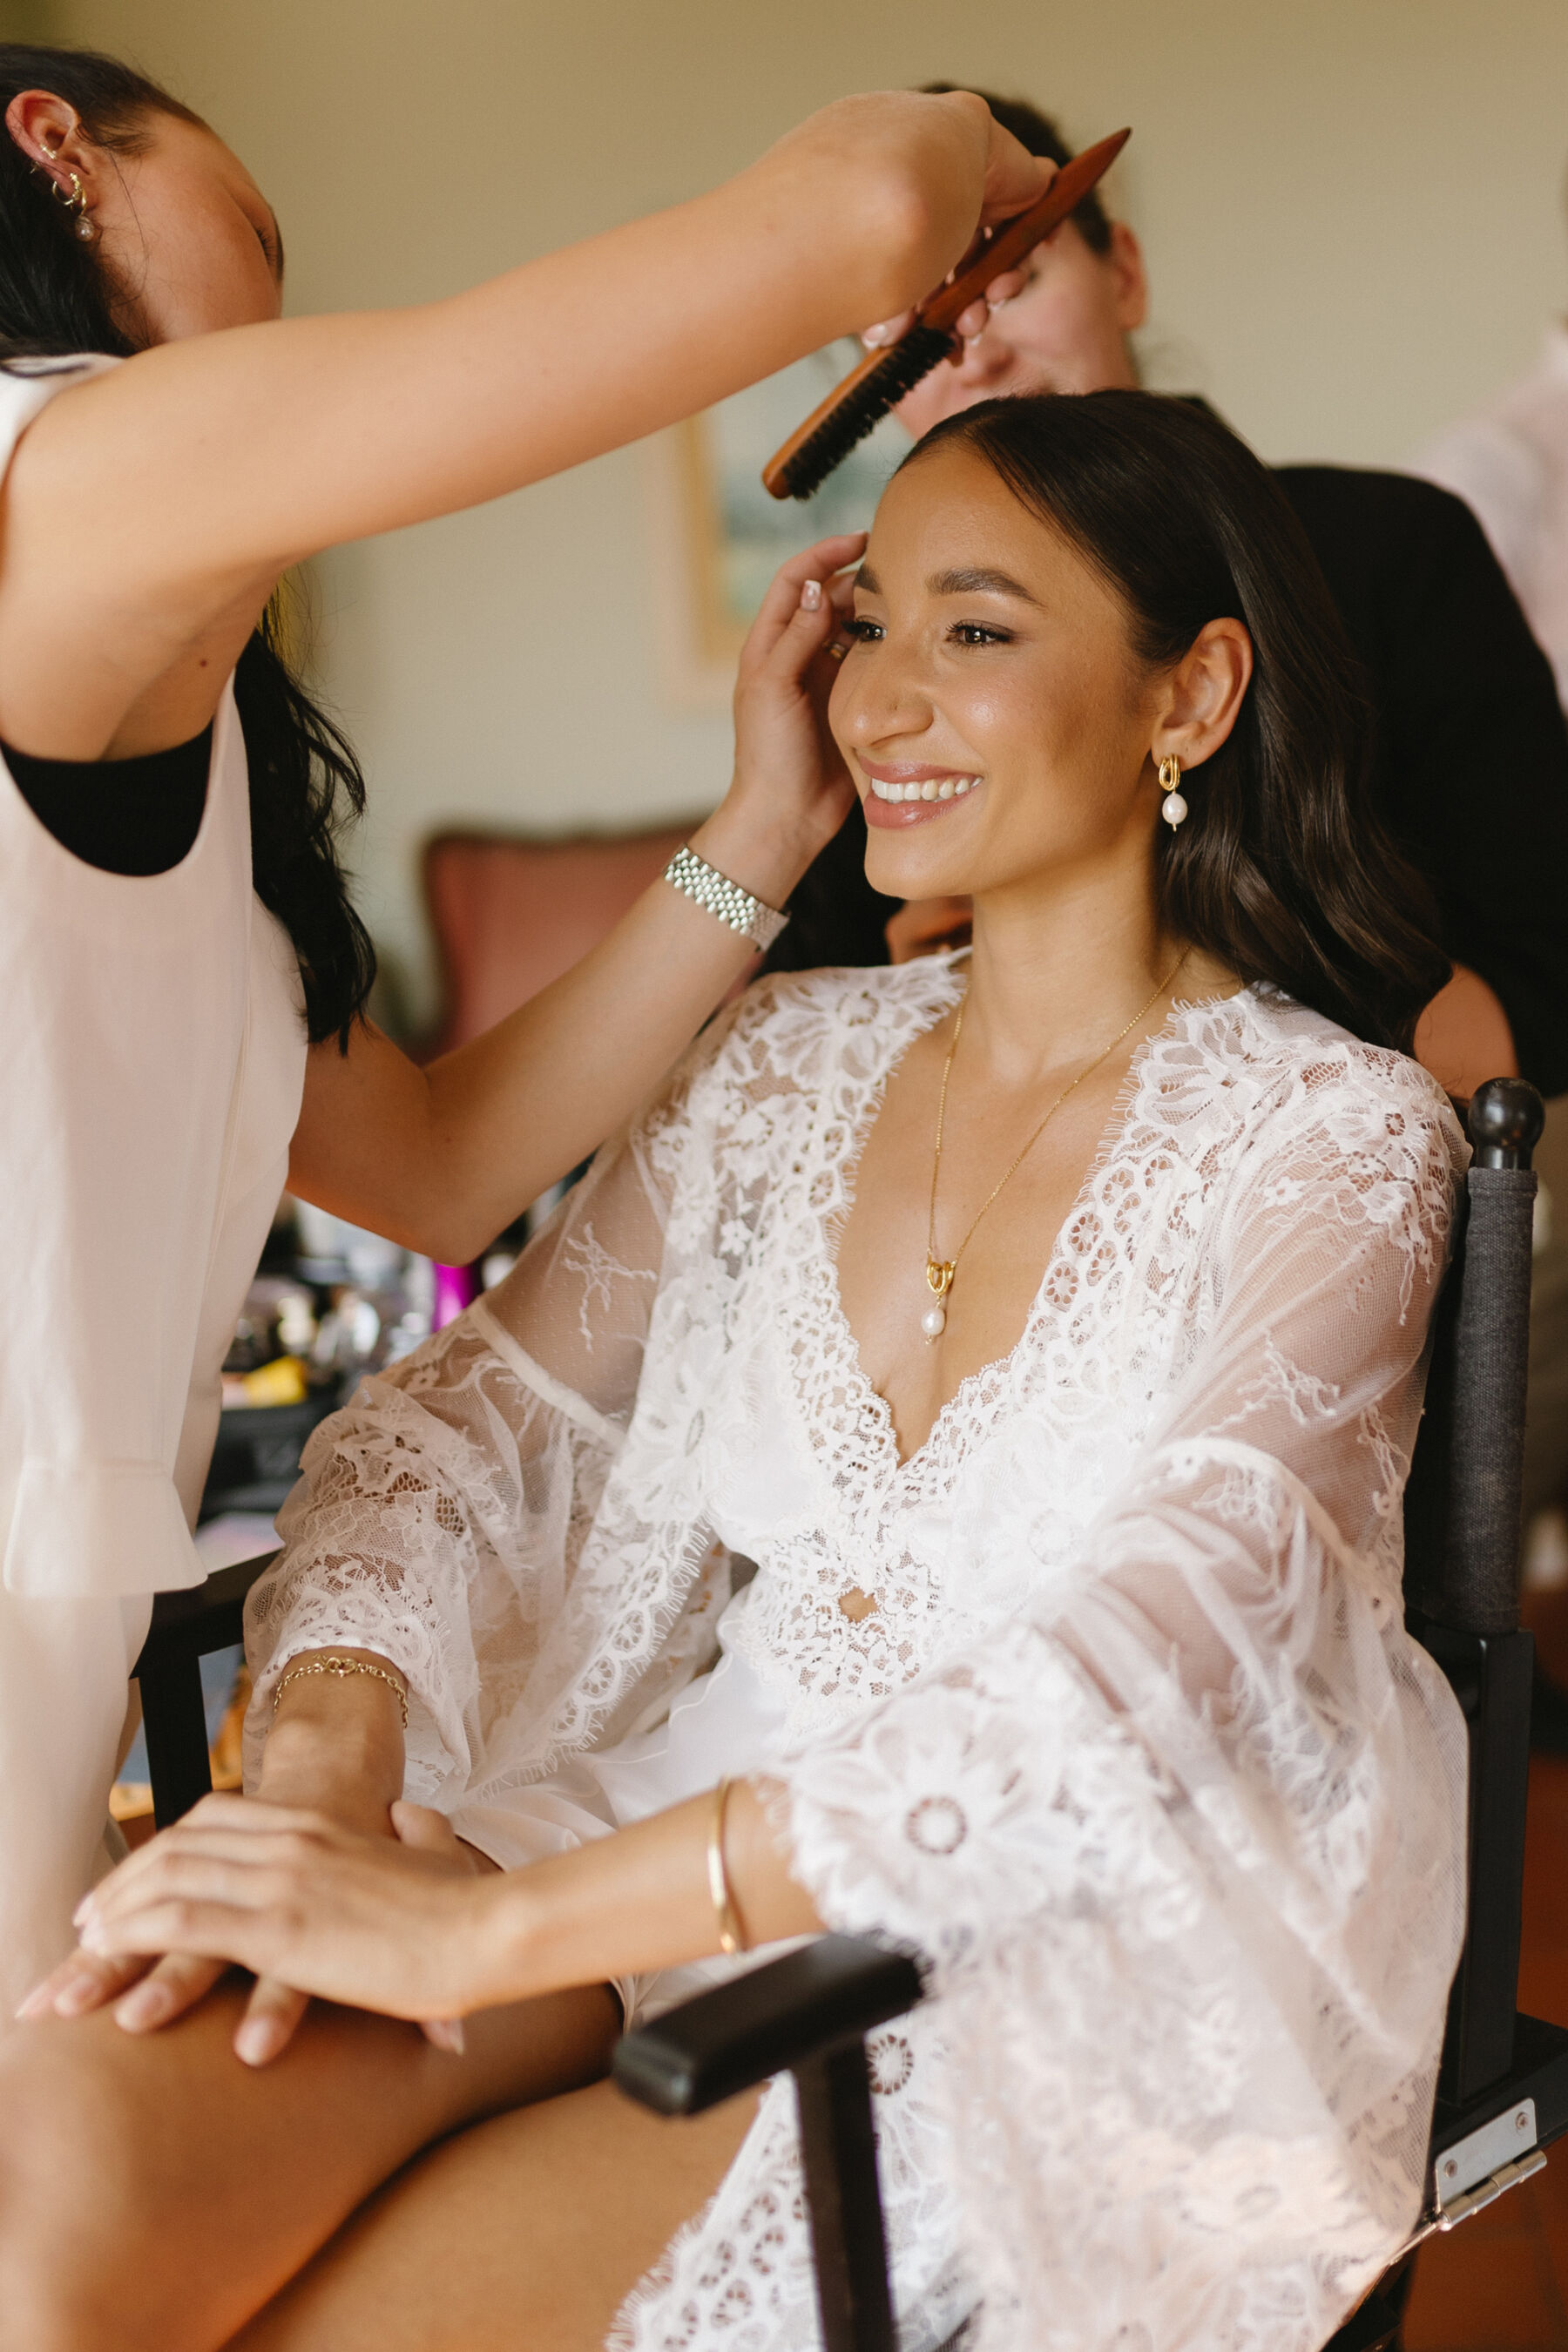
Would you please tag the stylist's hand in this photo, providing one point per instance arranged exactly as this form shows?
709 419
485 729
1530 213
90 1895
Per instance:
1013 179
300 1899
150 1990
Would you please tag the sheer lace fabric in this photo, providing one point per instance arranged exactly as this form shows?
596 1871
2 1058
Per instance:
1133 1745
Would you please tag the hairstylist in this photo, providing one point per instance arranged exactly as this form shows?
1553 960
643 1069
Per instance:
1469 758
182 977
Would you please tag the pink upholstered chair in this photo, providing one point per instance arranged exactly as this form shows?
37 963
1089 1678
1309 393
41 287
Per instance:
512 914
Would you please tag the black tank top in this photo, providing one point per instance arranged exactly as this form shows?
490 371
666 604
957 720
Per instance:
127 816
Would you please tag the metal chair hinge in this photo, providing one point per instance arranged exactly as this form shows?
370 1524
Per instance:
1469 2176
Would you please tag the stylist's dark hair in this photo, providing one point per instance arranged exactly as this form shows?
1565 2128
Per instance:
305 782
1038 134
1282 871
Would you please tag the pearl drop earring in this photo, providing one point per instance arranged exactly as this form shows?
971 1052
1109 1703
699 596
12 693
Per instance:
1173 808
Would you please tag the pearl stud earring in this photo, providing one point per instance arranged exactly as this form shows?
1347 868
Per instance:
1173 808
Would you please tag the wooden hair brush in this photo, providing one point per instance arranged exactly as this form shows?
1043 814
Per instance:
854 407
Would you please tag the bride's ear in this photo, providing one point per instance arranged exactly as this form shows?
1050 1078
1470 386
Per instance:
1204 693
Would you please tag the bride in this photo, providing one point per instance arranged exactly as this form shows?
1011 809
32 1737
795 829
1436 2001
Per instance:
969 1409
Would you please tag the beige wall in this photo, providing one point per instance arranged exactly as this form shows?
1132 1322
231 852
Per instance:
1352 209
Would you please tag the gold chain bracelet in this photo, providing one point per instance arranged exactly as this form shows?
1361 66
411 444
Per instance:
341 1667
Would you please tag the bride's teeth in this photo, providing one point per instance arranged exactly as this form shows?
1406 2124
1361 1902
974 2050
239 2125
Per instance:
929 789
912 792
944 789
962 787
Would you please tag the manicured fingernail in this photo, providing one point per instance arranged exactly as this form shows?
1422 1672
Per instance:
39 2002
150 2004
811 596
92 1934
84 1910
255 2041
874 337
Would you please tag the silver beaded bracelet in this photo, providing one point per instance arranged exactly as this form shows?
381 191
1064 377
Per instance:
760 924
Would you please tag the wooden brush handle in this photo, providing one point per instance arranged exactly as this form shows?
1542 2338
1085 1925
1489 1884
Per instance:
1020 235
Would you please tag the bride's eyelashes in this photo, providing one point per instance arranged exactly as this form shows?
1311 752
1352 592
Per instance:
867 632
978 633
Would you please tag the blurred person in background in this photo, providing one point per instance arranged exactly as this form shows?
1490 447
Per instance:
1509 462
1470 760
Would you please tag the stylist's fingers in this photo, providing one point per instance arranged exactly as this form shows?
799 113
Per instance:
271 2014
887 331
176 1984
82 1983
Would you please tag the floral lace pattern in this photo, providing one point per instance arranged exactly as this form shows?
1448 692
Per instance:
1132 1746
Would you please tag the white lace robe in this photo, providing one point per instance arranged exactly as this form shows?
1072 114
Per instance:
1133 1746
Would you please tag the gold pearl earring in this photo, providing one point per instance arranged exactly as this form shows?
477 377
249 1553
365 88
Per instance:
76 202
1173 808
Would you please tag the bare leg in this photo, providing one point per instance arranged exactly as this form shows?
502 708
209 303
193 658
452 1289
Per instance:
154 2193
528 2230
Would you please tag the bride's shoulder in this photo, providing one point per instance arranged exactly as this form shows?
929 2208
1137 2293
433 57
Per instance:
1288 1075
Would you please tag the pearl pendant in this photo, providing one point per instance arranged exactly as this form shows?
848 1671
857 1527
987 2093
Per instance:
1173 808
933 1322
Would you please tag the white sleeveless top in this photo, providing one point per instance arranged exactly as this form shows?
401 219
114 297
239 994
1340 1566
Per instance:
151 1064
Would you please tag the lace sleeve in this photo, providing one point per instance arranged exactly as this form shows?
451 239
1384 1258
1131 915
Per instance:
441 1516
1185 1850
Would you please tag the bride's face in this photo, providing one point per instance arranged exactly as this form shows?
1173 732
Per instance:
991 710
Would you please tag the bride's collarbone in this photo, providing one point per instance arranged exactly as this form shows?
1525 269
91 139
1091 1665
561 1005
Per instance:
882 1260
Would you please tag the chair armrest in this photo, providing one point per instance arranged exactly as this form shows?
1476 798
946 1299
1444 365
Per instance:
192 1623
775 2017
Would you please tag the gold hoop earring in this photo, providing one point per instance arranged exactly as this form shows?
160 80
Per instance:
75 203
1173 808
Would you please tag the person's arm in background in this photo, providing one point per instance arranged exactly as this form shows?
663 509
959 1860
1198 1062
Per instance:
1472 763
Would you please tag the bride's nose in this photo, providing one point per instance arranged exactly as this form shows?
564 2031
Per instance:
881 711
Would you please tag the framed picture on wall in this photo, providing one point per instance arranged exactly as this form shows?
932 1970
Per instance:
718 538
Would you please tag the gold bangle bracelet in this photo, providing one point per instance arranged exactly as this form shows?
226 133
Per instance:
731 1935
340 1668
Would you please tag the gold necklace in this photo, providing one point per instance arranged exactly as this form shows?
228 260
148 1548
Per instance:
940 1272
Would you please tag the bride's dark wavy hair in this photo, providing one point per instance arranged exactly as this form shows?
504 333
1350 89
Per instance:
56 300
1283 870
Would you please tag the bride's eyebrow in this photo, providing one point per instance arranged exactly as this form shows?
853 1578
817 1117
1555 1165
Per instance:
978 580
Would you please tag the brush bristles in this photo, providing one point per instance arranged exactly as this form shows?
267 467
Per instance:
912 357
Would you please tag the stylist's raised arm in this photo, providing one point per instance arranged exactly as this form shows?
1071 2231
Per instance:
203 469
